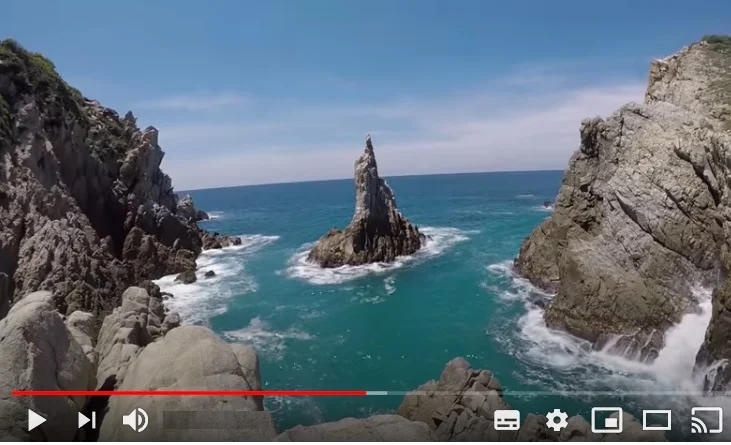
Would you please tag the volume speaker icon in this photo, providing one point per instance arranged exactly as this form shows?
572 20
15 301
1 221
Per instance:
137 420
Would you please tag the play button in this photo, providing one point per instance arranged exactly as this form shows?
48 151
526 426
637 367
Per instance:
34 420
83 420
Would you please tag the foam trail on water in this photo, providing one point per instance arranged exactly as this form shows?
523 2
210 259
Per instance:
439 240
216 215
207 297
260 334
389 284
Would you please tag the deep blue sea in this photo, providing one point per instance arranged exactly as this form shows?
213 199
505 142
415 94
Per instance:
394 327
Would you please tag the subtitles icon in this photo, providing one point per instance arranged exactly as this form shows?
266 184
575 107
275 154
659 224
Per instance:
710 423
650 417
507 420
611 424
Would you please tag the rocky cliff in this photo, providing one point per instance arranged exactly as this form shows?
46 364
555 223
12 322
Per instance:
378 232
85 210
644 211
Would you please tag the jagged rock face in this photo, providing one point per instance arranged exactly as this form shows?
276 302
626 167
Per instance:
85 210
186 210
643 212
378 232
461 405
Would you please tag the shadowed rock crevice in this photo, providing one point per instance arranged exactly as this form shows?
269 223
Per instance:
378 232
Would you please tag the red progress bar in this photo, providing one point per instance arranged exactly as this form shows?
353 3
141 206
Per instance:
293 393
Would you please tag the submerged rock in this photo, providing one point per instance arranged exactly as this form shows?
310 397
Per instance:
644 211
186 277
209 274
377 233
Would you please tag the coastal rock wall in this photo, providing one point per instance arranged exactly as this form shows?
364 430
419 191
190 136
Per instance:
85 210
643 212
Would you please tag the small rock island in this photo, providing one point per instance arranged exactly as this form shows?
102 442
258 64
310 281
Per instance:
377 233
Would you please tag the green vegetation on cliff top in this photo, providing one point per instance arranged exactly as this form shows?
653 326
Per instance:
32 73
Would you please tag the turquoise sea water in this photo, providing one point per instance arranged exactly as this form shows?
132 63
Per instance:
394 327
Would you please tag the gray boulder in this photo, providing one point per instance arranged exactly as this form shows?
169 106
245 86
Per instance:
126 331
381 428
39 352
186 277
82 327
378 232
191 357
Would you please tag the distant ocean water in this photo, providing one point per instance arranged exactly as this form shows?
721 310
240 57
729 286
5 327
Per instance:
394 327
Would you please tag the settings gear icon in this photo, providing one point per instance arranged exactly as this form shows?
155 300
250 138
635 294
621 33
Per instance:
557 420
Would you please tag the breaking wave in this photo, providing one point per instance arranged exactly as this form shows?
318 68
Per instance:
207 297
558 359
439 240
215 215
266 340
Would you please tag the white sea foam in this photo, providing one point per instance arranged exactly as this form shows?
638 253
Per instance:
563 354
266 340
526 196
389 284
439 240
216 215
207 297
548 208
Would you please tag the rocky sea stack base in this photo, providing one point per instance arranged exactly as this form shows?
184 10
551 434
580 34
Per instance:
643 217
378 232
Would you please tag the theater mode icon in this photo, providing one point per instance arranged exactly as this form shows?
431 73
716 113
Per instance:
507 420
650 419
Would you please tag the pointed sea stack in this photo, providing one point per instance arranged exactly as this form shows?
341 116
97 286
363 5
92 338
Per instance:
378 231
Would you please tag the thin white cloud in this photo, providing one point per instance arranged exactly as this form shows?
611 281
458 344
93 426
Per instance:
195 102
465 133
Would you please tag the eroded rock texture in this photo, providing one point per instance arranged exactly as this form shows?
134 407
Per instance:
378 232
642 216
85 210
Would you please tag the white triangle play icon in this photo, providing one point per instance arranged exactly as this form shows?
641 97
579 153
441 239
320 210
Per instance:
83 420
34 420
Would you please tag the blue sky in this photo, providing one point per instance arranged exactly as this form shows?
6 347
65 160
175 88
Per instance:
250 92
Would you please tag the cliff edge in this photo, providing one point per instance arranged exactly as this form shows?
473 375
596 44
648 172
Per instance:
85 210
642 219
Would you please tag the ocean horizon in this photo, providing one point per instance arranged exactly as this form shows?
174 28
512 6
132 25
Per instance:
186 191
